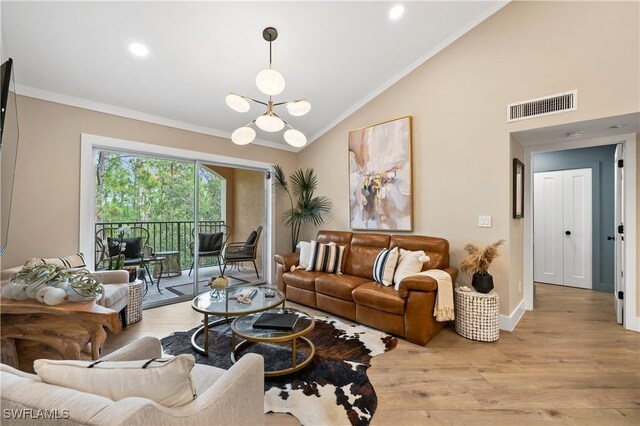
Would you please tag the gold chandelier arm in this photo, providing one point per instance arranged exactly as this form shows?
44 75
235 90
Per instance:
251 122
283 120
286 102
250 99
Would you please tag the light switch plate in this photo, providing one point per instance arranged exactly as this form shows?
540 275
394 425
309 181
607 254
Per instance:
484 221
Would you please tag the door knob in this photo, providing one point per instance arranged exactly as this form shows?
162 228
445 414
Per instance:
611 238
567 232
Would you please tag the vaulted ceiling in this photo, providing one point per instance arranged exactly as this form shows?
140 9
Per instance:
338 55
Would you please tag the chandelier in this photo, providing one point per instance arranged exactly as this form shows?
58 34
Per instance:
271 83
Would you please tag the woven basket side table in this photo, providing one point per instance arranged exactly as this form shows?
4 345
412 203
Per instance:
134 308
477 315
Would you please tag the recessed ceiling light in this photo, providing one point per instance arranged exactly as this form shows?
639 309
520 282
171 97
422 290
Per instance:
138 49
396 12
574 134
615 126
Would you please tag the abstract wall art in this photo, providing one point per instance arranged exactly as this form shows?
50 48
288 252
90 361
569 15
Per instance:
380 189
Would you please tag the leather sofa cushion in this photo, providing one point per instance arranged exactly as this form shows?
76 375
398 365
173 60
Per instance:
436 248
363 252
338 237
302 279
379 297
339 286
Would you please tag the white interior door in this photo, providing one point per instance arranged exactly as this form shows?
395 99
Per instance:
619 237
548 228
577 224
562 227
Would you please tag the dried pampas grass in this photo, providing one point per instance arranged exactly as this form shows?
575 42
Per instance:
479 260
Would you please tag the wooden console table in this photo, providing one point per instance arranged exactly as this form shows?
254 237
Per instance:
29 330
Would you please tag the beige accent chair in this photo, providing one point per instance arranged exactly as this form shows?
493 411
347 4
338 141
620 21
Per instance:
225 397
115 289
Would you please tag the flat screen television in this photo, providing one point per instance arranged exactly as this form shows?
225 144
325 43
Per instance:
8 147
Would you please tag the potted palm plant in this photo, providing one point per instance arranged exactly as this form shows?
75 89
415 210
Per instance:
307 208
477 263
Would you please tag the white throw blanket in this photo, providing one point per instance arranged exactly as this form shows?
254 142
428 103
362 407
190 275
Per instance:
443 309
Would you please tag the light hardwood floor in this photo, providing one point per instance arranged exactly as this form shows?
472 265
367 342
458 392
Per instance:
567 362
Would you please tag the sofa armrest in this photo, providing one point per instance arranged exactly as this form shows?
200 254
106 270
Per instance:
287 260
111 277
423 283
9 369
284 262
417 283
453 272
144 348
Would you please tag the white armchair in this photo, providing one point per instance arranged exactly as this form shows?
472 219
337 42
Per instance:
225 397
115 289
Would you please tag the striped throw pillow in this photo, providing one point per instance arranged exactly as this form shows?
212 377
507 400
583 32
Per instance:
385 265
73 261
326 258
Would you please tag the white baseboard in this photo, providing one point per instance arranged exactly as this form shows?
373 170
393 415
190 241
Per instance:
509 322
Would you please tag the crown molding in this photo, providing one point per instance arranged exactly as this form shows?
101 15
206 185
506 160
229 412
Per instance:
34 92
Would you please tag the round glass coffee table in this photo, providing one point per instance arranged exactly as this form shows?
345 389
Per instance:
243 327
228 308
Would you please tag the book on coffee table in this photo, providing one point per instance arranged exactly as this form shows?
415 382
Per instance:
276 321
247 292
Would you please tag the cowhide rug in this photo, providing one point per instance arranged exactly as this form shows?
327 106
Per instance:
332 390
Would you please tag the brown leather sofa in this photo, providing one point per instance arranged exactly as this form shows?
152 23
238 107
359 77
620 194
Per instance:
354 295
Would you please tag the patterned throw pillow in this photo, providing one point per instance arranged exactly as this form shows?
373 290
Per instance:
73 261
410 263
385 265
326 258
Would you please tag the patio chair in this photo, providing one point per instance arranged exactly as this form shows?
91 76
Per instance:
135 241
212 237
243 251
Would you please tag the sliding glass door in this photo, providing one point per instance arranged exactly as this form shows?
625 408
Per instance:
178 223
144 219
230 222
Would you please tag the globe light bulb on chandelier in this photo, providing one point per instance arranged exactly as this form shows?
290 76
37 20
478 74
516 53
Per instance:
237 103
269 123
295 138
271 83
243 136
298 108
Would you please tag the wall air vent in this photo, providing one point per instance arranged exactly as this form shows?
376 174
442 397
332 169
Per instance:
554 104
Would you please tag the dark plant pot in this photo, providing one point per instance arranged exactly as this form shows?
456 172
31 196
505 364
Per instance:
482 282
133 272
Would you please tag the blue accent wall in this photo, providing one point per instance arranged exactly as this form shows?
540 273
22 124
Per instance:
600 160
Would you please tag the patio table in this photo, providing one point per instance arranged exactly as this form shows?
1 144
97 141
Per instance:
168 268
